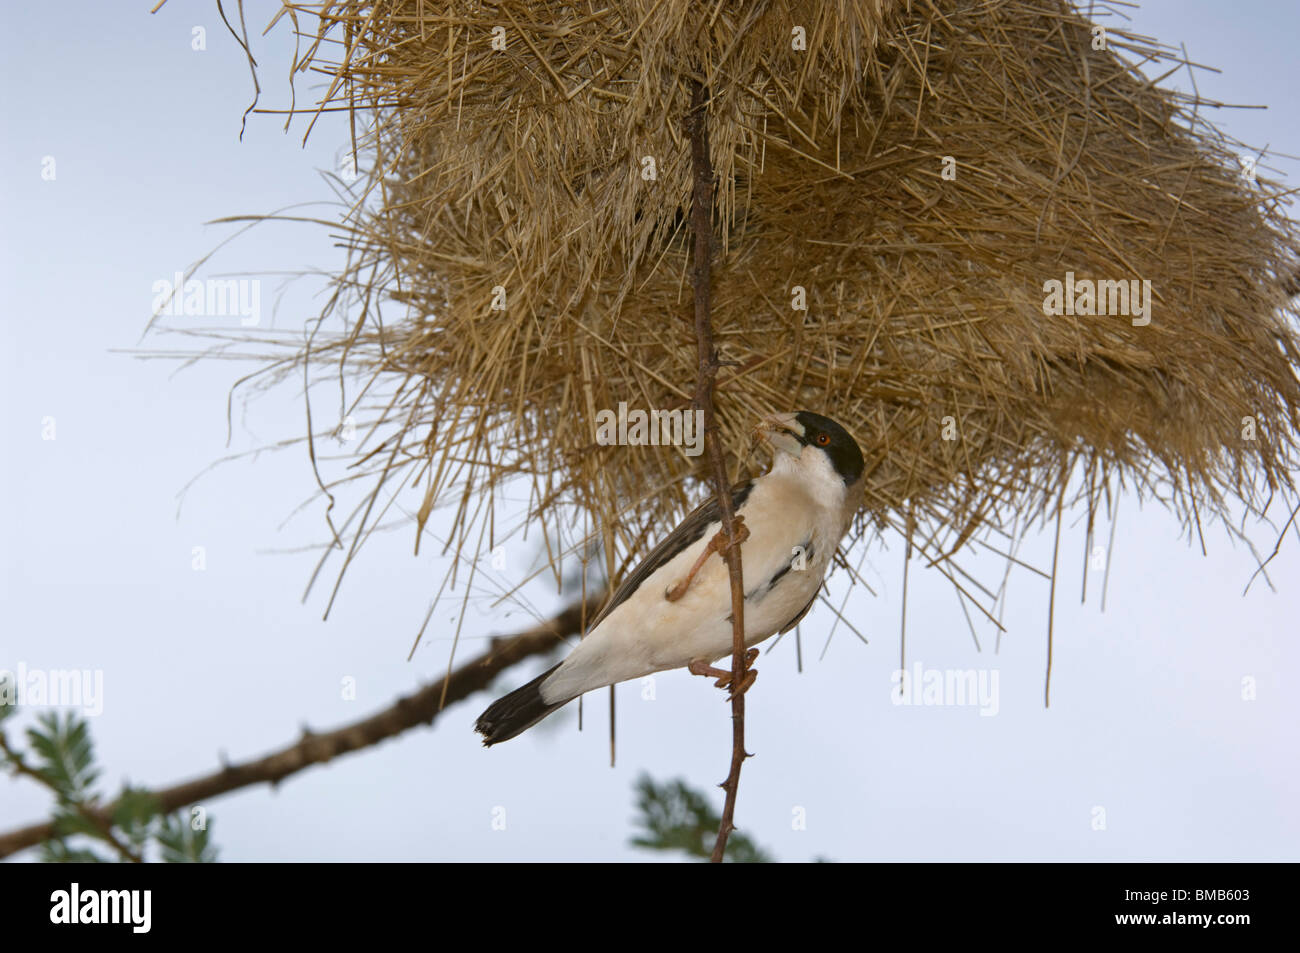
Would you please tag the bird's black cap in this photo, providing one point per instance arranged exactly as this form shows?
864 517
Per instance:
828 436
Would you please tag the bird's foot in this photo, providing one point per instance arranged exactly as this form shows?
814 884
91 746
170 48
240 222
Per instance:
745 684
703 668
673 593
748 675
742 534
724 676
718 544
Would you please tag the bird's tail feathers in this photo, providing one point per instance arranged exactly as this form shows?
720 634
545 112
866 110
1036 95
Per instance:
516 712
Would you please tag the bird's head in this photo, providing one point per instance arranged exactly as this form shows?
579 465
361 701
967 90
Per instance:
812 440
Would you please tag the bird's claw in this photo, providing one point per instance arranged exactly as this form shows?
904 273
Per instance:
745 684
724 676
703 668
742 534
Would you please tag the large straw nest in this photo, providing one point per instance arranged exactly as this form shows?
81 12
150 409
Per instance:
524 169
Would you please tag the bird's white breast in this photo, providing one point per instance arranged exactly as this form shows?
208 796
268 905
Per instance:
792 507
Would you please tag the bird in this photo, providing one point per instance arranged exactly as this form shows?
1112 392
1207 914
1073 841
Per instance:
674 609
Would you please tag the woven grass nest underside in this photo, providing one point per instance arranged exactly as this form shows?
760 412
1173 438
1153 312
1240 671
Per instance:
919 173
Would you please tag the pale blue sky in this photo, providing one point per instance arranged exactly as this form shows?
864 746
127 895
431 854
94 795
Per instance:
1147 718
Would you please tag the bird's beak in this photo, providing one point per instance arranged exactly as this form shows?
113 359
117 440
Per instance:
780 432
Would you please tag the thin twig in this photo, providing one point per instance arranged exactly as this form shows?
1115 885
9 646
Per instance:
407 712
1051 599
702 226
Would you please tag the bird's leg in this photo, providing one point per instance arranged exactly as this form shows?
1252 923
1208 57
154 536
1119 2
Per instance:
750 675
718 544
679 590
723 675
704 668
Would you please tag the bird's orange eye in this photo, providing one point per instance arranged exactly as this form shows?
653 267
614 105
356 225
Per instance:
823 439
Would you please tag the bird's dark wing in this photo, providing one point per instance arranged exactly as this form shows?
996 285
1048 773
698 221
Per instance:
687 532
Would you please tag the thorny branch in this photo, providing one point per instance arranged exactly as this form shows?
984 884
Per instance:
422 707
702 227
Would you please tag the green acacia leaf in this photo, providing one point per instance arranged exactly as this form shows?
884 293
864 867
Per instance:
674 816
136 808
65 754
180 843
58 852
8 697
